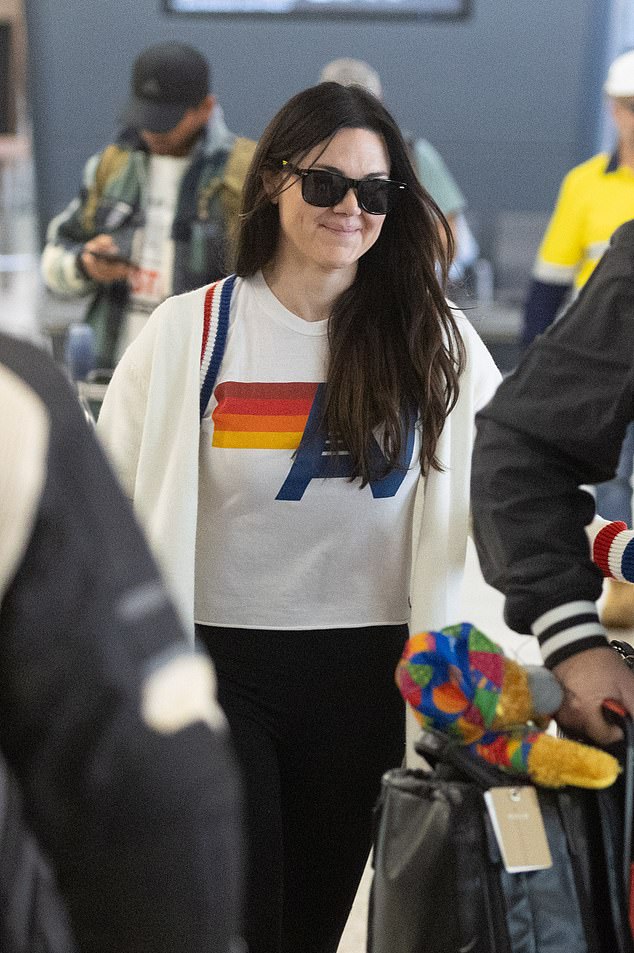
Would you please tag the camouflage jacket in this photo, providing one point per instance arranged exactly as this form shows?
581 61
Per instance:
111 200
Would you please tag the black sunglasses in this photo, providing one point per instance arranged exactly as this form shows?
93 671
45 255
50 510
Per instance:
324 189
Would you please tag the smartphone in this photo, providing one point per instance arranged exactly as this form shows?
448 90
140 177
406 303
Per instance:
113 256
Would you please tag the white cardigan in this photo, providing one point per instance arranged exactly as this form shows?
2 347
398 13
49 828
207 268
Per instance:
149 423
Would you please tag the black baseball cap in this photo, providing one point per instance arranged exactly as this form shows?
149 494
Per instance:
167 80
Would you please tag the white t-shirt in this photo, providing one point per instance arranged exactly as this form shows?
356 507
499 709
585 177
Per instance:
283 543
152 245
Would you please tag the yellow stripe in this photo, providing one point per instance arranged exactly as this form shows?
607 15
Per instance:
250 440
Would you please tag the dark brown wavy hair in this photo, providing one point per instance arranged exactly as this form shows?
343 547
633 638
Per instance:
394 345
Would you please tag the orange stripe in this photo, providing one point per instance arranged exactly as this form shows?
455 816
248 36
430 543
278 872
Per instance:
242 440
258 422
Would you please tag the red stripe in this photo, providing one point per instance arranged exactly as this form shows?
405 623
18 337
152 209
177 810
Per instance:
292 390
268 408
209 297
602 542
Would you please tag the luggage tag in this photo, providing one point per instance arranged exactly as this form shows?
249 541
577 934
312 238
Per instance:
519 828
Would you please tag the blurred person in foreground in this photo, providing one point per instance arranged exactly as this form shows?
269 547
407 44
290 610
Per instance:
555 424
157 209
108 720
311 502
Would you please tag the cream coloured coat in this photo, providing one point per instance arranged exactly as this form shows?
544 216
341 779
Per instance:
149 424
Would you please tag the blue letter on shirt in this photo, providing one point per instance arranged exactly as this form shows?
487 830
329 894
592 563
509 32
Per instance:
317 458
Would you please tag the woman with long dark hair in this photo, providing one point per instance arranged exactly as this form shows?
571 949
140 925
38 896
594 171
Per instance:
318 506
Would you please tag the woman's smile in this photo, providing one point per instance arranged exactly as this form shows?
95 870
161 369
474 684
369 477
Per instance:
332 238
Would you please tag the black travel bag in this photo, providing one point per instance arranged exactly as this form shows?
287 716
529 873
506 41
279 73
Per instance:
440 886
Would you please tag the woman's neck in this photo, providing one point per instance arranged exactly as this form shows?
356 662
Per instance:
310 293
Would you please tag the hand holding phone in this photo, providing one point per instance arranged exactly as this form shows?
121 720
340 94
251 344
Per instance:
105 254
102 260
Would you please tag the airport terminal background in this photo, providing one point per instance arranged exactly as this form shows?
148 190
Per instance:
510 95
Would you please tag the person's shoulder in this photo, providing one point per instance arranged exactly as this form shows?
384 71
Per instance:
28 380
465 327
479 362
181 307
427 155
39 372
118 149
110 161
216 142
228 155
617 264
186 300
425 148
192 303
623 237
588 170
179 315
24 436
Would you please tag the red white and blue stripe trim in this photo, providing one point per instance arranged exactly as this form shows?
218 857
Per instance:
215 326
574 626
612 548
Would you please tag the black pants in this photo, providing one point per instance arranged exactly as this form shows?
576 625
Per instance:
316 719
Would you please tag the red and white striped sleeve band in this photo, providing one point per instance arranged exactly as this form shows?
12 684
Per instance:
567 630
612 548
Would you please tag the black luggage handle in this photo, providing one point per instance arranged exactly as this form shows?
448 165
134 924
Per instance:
615 714
435 746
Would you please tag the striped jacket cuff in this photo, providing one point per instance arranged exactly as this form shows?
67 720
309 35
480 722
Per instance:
567 630
612 548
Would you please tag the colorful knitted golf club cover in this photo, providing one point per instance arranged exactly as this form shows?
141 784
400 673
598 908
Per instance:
548 761
453 680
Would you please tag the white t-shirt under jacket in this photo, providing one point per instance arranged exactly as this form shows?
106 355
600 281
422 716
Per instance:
285 540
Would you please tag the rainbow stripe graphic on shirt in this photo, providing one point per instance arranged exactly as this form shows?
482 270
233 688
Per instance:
256 416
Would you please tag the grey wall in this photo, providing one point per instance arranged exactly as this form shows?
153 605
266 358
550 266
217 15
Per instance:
510 96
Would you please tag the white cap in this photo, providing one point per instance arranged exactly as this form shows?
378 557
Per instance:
348 72
620 81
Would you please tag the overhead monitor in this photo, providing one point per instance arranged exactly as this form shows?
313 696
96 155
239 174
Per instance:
325 8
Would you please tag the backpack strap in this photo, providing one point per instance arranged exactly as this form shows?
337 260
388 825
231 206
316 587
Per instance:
233 177
215 327
113 161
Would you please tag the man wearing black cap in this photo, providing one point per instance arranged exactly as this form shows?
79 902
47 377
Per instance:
156 209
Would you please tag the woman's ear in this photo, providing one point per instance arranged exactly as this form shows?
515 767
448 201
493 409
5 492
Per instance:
271 181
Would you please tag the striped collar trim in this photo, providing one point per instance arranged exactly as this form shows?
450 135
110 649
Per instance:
211 310
214 337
